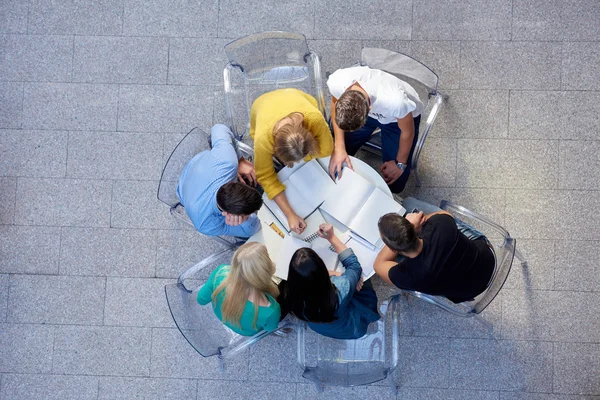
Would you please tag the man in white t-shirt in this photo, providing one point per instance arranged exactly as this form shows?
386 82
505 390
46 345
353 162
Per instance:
364 99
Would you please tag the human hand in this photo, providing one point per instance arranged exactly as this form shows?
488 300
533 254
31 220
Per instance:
233 219
417 219
359 284
246 172
326 231
296 223
334 273
390 172
336 162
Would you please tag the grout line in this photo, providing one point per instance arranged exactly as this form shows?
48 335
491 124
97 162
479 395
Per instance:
150 360
118 107
104 308
508 116
512 8
122 17
27 19
60 240
168 59
73 61
562 60
552 379
218 17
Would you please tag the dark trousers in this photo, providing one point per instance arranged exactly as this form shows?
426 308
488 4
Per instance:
390 141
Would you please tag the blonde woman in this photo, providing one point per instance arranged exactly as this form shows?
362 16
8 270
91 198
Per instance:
287 124
243 294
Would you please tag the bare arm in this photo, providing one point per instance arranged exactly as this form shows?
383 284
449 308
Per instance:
407 127
385 260
295 223
339 155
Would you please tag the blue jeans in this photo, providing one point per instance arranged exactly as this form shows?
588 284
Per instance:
390 142
471 233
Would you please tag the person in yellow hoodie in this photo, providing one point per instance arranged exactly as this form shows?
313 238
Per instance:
287 124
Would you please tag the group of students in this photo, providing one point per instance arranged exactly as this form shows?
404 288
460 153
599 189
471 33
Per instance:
221 193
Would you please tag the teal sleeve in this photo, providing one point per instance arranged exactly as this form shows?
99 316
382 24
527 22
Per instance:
273 320
206 291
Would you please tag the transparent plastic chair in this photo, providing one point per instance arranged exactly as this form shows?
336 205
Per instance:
264 62
199 324
422 79
336 362
505 251
191 144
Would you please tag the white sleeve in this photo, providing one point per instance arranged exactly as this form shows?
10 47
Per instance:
340 80
401 105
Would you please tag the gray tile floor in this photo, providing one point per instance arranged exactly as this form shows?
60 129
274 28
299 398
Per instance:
93 95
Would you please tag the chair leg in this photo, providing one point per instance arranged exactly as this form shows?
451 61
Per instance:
520 257
221 363
319 387
392 384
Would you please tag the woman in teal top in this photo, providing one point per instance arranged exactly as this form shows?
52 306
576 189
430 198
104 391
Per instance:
243 294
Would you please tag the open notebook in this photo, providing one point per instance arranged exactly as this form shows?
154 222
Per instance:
359 204
305 188
366 255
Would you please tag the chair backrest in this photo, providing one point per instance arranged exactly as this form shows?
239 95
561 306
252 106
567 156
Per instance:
199 324
504 251
337 362
420 77
263 62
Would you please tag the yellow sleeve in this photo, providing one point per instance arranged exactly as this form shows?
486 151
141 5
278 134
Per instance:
318 126
263 166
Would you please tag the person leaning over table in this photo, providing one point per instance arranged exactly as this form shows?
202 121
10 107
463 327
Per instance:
287 124
429 253
213 190
364 99
243 294
334 304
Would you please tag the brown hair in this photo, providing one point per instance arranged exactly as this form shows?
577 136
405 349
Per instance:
239 199
398 233
351 111
293 141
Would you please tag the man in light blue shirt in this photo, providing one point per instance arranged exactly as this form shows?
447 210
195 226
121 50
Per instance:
209 189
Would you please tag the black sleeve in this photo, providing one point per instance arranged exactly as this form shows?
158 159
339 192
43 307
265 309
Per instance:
401 276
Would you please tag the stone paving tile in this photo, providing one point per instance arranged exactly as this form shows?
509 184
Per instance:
579 165
551 20
102 350
78 17
577 266
103 155
194 61
476 114
36 58
51 387
108 252
63 202
245 390
335 54
580 68
553 316
168 18
33 153
576 367
70 106
542 396
539 273
500 365
237 19
306 391
437 162
465 20
423 362
443 57
29 250
445 394
115 388
56 299
178 250
8 193
13 16
386 19
26 348
165 108
137 302
3 296
500 65
173 357
11 104
500 163
274 359
120 60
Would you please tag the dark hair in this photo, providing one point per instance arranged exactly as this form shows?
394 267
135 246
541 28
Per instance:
398 233
309 293
239 199
351 111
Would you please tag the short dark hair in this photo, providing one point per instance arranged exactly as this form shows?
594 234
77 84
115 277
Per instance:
398 233
351 111
239 199
309 293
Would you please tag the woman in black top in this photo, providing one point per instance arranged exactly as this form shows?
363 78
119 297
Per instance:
438 258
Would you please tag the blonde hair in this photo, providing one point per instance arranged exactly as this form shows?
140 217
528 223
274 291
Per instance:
250 272
293 141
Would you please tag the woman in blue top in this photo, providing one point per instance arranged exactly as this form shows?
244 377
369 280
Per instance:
334 304
242 294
